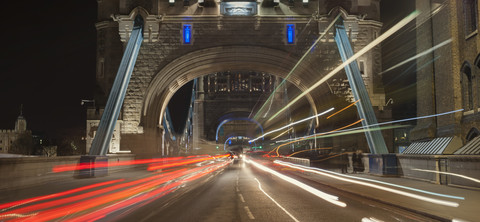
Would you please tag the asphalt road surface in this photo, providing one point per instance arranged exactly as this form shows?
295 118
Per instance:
243 192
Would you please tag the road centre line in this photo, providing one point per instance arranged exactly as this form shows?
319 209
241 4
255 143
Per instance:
241 198
249 213
288 213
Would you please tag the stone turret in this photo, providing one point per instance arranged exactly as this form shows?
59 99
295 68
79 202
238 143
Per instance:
21 123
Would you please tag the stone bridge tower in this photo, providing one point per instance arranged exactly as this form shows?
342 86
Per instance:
185 40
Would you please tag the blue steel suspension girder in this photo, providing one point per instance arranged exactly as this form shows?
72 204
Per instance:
114 104
365 110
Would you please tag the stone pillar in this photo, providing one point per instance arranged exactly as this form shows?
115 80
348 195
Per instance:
198 113
426 128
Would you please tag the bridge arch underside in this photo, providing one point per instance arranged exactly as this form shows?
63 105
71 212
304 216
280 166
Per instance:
202 62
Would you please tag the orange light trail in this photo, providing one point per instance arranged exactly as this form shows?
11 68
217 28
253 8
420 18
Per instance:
344 108
181 163
319 134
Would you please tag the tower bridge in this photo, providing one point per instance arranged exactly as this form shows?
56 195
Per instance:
298 83
223 44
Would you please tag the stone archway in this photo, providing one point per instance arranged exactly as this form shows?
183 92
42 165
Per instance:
474 132
195 64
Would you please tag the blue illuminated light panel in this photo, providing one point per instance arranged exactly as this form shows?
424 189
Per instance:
290 33
187 34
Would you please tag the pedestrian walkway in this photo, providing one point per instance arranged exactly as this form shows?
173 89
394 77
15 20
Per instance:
437 201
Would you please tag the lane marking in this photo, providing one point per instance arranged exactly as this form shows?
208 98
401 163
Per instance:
327 197
288 213
371 219
238 190
241 197
249 213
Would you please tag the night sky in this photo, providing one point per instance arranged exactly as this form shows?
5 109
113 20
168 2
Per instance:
48 62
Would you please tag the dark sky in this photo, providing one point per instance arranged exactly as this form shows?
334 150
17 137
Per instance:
47 63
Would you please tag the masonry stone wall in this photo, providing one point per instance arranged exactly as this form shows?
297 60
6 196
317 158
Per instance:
439 81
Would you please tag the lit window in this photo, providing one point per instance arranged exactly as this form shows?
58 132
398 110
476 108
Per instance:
470 12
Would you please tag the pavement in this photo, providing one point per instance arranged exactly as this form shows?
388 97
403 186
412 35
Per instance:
456 204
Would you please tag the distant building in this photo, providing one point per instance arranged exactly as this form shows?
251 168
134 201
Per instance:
8 136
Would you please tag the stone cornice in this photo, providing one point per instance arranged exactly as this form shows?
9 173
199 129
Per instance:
150 30
243 19
352 23
106 24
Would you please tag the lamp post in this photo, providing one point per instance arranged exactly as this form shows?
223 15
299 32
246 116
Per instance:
87 101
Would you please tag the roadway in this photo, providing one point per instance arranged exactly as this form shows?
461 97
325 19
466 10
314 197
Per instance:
235 195
213 190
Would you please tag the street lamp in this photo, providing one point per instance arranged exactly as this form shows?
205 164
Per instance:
87 101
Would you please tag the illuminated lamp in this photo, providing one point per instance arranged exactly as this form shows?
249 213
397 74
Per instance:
187 34
171 2
290 33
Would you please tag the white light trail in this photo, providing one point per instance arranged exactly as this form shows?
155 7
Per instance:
448 173
418 55
365 49
298 63
385 183
291 124
403 193
329 198
373 125
284 210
